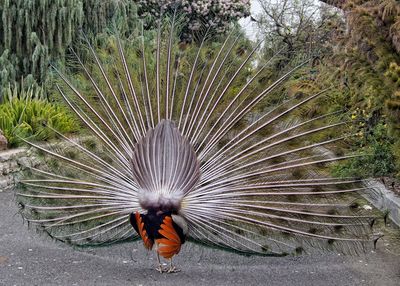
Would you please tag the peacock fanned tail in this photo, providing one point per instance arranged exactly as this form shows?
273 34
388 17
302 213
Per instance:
195 129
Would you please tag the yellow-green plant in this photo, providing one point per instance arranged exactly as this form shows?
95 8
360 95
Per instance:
34 119
20 91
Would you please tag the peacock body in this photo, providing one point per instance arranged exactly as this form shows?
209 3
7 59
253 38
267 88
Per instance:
185 149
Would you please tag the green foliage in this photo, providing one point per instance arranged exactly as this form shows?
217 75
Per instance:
183 53
26 90
376 160
195 15
360 65
34 33
393 73
361 93
33 119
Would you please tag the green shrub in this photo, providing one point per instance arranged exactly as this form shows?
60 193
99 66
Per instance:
33 119
24 91
378 158
35 33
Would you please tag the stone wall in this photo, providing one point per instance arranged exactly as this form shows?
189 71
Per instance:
383 199
12 162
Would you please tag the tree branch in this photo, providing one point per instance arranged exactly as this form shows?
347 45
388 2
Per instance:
336 3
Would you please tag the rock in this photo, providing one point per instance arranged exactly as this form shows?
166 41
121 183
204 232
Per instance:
11 154
6 183
12 161
3 141
24 162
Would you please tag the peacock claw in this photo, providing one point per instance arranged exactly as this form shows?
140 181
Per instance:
173 269
160 269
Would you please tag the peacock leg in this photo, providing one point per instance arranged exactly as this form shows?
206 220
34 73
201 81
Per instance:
159 268
172 268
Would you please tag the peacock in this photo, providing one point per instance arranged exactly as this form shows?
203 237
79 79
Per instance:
190 141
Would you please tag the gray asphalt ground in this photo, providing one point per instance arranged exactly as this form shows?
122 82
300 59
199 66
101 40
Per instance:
27 258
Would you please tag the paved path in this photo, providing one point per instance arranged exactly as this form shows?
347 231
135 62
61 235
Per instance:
29 259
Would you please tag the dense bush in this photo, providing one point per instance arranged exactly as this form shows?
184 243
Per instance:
359 60
377 158
197 14
34 33
27 115
107 50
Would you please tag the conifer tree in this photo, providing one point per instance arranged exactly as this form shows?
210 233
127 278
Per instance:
35 32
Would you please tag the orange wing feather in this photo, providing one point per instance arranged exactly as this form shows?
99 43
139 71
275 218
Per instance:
171 243
142 232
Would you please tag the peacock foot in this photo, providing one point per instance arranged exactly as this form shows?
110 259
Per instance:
161 269
173 269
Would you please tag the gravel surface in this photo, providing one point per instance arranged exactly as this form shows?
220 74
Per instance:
27 258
